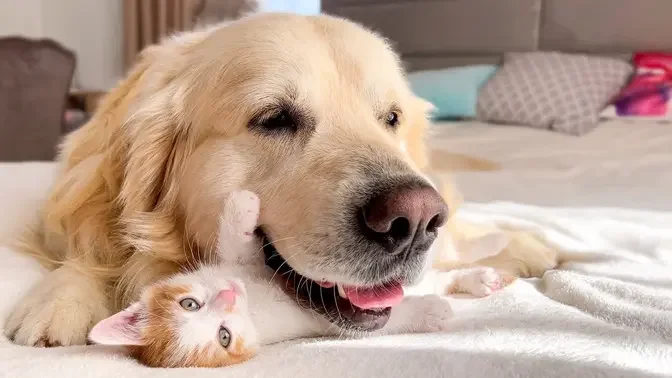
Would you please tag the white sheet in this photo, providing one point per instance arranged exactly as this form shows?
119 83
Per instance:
620 164
606 313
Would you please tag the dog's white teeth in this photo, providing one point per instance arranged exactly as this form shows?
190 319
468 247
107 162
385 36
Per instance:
341 292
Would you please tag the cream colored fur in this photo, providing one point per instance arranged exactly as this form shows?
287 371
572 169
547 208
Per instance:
140 185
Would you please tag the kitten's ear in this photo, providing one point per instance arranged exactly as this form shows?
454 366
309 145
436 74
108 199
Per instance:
122 328
478 248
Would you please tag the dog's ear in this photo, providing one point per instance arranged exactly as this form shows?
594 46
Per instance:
156 137
93 160
125 160
155 134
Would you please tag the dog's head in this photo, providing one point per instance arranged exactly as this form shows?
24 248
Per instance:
312 113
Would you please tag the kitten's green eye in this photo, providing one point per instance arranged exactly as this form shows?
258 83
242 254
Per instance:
190 304
224 337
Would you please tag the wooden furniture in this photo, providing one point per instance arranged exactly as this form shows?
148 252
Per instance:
35 77
85 100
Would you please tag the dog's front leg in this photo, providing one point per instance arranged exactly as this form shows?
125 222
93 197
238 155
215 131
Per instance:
59 310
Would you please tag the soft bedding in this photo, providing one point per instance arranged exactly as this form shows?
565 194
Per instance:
620 164
604 313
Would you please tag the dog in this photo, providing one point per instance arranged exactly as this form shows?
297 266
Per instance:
312 113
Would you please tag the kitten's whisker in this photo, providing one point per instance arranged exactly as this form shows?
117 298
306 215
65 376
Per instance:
298 288
296 294
212 247
123 283
336 296
270 281
187 241
271 243
310 302
326 313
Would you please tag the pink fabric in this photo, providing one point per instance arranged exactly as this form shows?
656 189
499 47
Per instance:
648 92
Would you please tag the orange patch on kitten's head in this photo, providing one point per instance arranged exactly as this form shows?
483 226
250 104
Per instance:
206 358
161 323
162 347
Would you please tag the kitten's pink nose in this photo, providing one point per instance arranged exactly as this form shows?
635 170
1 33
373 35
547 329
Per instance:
226 297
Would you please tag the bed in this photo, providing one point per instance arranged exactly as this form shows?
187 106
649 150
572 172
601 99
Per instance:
621 164
603 199
604 313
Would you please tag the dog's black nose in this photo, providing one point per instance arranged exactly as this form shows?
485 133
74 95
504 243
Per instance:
405 219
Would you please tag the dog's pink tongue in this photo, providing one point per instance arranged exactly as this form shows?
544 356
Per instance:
388 295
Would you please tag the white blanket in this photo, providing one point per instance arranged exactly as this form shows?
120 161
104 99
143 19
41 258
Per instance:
606 313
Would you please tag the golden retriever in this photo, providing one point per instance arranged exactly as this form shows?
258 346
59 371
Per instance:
312 113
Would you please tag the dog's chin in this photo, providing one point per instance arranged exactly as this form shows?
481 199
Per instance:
335 301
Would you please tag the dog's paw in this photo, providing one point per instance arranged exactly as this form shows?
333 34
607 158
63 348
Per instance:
59 311
241 215
432 314
479 282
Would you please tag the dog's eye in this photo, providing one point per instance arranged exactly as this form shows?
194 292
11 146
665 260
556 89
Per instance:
282 120
392 119
190 304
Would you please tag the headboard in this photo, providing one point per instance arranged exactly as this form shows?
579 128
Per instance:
443 33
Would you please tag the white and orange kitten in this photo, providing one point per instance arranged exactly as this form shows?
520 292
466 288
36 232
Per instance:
221 314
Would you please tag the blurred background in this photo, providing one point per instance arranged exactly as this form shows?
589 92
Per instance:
95 29
568 79
59 57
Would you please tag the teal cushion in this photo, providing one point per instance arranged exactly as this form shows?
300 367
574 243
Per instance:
453 91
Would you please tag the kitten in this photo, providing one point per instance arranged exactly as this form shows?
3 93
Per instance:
185 322
220 315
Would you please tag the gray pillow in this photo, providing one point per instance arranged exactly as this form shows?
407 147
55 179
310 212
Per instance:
552 90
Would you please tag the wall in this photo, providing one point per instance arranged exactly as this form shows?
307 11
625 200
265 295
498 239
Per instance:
15 17
297 6
91 28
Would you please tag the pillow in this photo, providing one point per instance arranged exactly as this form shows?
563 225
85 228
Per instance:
552 90
647 95
453 91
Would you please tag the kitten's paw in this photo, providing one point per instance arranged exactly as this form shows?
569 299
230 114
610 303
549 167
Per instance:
241 214
433 314
59 311
480 282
